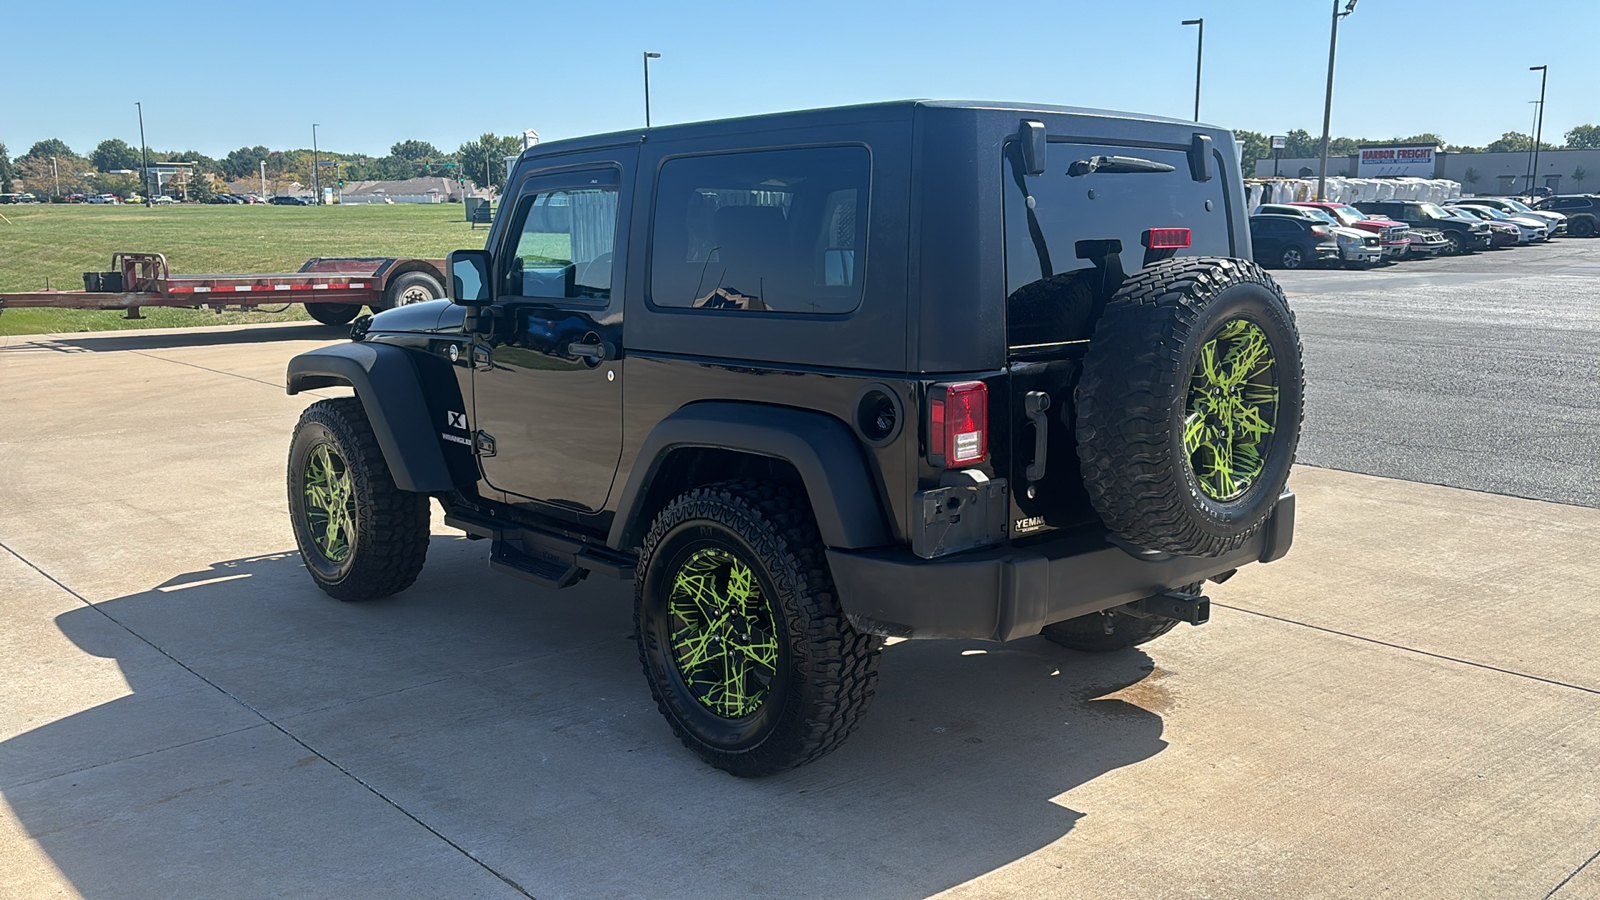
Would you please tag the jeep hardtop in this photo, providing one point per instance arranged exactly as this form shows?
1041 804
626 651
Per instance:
810 380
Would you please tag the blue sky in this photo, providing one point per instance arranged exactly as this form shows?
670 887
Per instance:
230 75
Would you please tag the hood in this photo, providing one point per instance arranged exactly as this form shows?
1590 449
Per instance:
1347 232
424 316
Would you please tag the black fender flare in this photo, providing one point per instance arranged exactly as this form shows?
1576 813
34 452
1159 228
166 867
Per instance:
823 449
385 379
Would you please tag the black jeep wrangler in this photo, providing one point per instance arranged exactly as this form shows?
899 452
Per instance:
917 369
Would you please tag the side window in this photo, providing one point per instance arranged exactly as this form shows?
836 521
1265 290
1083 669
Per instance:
773 230
561 239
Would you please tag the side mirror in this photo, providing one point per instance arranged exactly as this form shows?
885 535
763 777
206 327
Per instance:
470 282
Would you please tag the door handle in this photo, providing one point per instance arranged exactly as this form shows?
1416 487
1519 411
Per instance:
596 352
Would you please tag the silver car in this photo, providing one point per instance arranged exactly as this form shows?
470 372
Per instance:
1530 230
1555 223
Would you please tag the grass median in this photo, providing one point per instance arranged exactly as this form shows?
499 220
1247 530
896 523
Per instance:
55 245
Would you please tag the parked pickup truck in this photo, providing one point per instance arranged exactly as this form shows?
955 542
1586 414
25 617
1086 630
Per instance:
1465 234
1394 237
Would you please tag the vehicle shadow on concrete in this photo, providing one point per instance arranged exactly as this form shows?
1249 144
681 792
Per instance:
101 342
516 722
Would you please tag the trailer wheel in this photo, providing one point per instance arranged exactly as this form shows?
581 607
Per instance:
410 287
334 313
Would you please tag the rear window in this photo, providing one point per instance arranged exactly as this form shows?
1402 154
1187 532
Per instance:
763 231
1052 258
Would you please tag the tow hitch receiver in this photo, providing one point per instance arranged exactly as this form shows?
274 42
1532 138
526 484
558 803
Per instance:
1192 608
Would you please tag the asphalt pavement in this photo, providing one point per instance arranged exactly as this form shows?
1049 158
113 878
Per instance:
1480 372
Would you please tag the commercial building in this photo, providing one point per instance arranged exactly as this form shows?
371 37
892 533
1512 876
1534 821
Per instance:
1562 171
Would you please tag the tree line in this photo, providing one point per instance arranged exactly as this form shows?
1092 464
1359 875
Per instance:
51 168
1301 144
51 163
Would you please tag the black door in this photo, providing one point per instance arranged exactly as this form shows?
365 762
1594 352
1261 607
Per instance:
547 383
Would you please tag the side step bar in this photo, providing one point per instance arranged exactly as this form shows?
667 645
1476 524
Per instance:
544 557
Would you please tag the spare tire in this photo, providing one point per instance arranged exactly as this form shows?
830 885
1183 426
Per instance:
1189 406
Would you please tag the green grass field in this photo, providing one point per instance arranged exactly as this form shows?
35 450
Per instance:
57 244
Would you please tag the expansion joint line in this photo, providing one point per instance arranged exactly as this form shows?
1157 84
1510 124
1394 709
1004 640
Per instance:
1454 659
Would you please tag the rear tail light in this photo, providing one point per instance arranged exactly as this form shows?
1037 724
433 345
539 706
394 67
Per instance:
1166 239
1320 230
958 424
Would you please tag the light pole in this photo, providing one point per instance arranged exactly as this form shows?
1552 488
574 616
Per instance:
1327 104
316 186
1199 55
263 181
1538 131
144 161
56 175
1532 127
647 57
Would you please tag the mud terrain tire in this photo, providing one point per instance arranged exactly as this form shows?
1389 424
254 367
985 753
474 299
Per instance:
748 556
1190 405
359 536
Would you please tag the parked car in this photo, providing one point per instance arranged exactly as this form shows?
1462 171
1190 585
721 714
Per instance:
162 199
1529 229
1393 236
1425 242
1357 248
1100 412
224 199
282 200
1501 234
1292 242
1555 223
1465 233
1581 211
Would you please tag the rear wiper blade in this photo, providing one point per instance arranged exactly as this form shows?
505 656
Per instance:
1116 165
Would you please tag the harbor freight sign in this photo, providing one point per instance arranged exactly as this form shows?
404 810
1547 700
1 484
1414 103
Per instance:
1414 160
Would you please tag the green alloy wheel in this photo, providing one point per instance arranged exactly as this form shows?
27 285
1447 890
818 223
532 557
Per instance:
360 537
746 650
1232 410
1189 405
724 640
330 503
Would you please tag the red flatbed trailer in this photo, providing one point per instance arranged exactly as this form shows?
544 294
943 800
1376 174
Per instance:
332 289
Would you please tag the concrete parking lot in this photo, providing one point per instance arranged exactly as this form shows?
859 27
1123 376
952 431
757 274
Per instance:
1408 705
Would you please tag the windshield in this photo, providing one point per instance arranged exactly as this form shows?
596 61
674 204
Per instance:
1518 205
1490 212
1321 215
1435 211
1347 215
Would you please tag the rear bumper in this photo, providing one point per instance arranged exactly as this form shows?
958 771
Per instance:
1011 592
